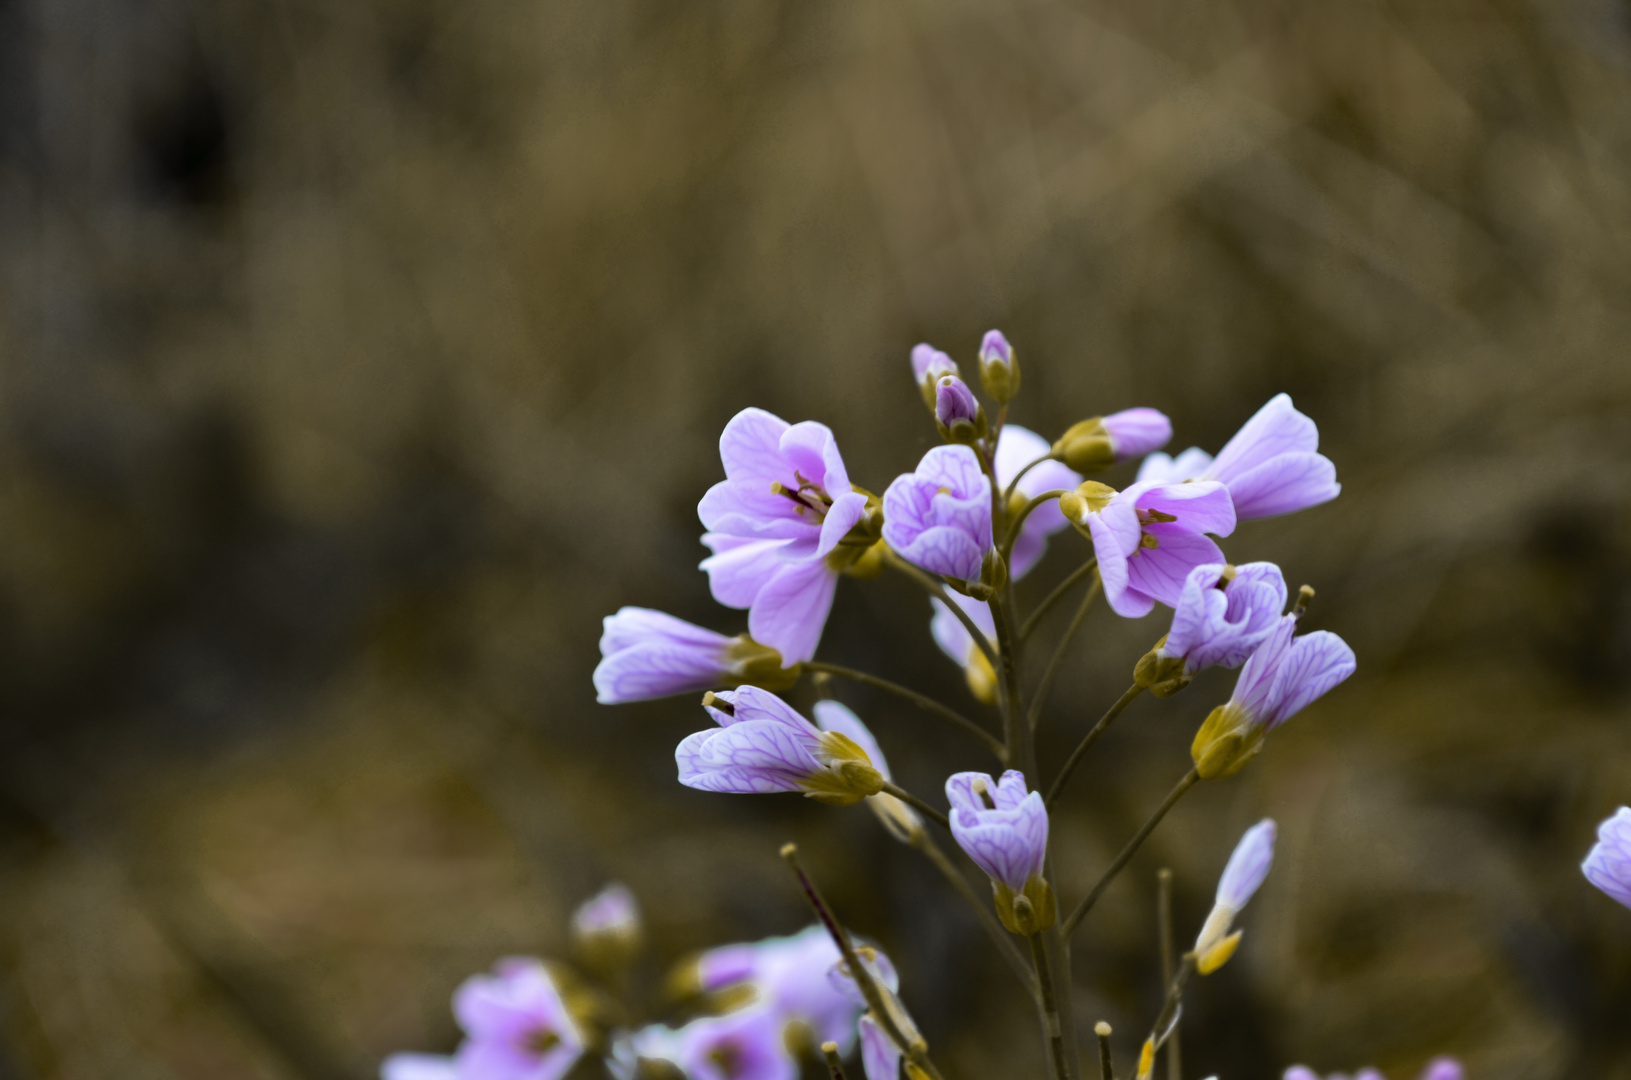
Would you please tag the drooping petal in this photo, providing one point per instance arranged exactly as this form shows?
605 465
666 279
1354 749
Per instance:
791 609
1313 664
1284 484
1257 676
740 567
1277 428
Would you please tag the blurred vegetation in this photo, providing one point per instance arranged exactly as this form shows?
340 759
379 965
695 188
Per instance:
359 357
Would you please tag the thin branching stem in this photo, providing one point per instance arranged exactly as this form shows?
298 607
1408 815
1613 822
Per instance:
937 589
1050 1009
1089 739
1051 672
1017 738
1055 596
1190 779
1163 917
936 816
1013 485
1002 939
1019 519
922 701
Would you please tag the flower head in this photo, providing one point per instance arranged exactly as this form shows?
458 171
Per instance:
1440 1068
790 976
1608 864
1017 447
1247 867
1149 537
1271 466
648 654
1284 676
1102 441
939 517
929 365
762 745
956 642
999 367
516 1025
782 525
1223 614
743 1045
1004 830
956 412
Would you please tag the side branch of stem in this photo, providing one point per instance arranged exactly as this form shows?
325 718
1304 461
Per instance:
1051 672
1089 739
922 701
1056 595
1190 779
917 804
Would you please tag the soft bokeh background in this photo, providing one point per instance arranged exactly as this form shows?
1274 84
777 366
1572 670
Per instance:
358 358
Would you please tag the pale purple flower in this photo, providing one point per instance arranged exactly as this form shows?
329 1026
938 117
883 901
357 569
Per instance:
880 1057
999 371
418 1067
743 1045
1136 432
900 819
1017 447
1608 865
1248 865
939 517
1440 1068
790 975
878 965
762 745
1271 466
1001 827
1149 537
784 506
1220 620
655 1042
956 642
516 1025
954 402
647 654
613 910
929 364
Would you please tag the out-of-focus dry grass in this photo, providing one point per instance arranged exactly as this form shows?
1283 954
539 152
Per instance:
360 357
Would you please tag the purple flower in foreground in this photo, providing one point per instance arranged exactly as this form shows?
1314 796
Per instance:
1223 613
743 1045
901 820
1608 865
791 977
929 366
516 1025
1247 867
880 1057
1102 441
1017 447
956 642
1004 830
1271 466
775 525
1149 537
648 654
762 745
418 1067
939 517
1440 1068
1284 676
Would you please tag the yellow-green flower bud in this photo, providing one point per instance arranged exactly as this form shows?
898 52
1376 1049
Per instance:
999 368
1226 741
1086 446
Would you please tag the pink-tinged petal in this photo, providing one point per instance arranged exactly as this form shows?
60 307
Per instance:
418 1067
791 610
1312 666
1442 1068
727 964
489 1013
880 1057
942 550
846 510
750 447
1136 432
1248 865
1283 484
1608 864
653 671
747 508
739 568
636 626
749 1040
1114 570
1276 429
805 446
1201 506
833 716
926 359
1159 572
1300 1072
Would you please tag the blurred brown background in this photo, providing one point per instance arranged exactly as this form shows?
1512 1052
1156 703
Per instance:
359 357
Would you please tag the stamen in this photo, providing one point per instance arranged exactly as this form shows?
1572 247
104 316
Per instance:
983 792
711 700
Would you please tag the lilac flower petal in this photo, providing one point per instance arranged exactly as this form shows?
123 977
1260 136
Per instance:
846 510
418 1067
497 1061
791 609
1189 465
1285 484
1201 506
750 447
1017 447
754 703
1313 664
927 358
954 467
880 1057
833 716
635 625
655 670
612 908
994 346
1160 572
1114 570
809 447
1136 432
1257 676
954 402
1300 1072
1010 842
1277 428
1248 866
760 745
1442 1068
1010 791
741 567
744 1045
1608 864
751 509
1368 1074
943 549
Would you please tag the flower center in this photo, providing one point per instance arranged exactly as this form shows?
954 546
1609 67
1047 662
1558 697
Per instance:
540 1041
727 1058
807 495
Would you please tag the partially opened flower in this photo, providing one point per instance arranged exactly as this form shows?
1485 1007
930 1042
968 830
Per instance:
1608 865
880 1057
1271 466
1017 447
956 642
1223 614
1247 867
792 977
517 1027
956 412
743 1045
939 517
648 654
929 365
782 525
762 745
1004 830
999 367
1102 441
1149 537
1284 676
880 1053
901 820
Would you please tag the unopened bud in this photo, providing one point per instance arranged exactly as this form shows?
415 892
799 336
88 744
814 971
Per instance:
1090 497
607 929
1146 1060
1086 446
929 365
993 571
1219 954
999 368
957 413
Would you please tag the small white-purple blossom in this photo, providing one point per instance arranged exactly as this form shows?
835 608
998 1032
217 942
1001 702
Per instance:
743 1045
1149 537
1608 864
516 1025
1136 432
791 977
763 745
1271 466
929 363
1248 865
1017 447
1003 828
613 910
1223 614
954 402
999 369
773 522
939 517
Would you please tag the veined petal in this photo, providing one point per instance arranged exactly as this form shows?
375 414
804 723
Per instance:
636 626
1252 689
957 468
1313 664
756 703
789 612
810 449
750 447
944 550
1277 428
1114 571
740 568
654 670
1248 865
1283 484
760 745
833 716
1009 792
1189 465
750 508
1201 506
1159 572
846 510
1135 432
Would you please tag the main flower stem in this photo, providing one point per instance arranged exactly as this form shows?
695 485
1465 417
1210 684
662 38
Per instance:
922 701
1050 1009
1055 596
1045 687
1190 780
1021 748
1163 916
917 804
1089 739
1002 939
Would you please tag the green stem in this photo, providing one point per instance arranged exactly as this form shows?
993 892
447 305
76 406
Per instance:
1089 739
1019 519
922 701
1008 492
937 589
1045 687
1050 1009
1021 748
1055 596
1002 939
1163 916
1190 780
917 804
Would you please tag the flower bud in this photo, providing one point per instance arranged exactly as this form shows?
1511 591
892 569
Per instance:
929 365
607 929
1028 912
1089 498
956 412
1086 446
999 368
1218 954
